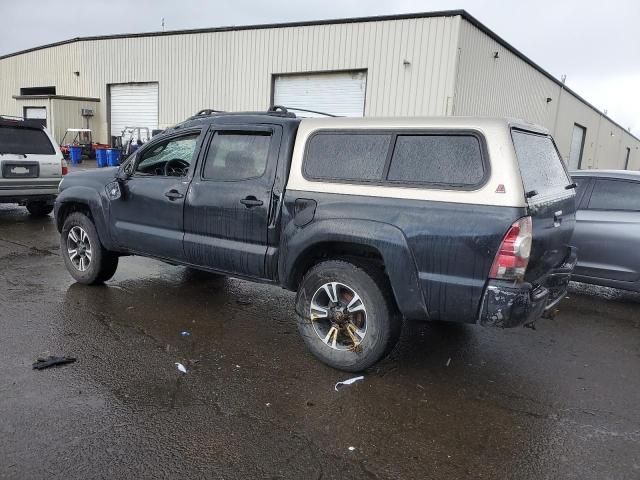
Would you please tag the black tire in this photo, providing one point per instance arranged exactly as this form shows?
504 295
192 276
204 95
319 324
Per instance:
102 265
39 209
383 322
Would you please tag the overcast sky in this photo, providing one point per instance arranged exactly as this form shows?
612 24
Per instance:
595 43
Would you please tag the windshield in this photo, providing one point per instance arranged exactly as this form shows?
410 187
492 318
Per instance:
543 173
22 140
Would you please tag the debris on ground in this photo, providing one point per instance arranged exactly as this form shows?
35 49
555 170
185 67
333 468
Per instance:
268 404
51 361
184 333
448 362
351 449
309 403
348 382
181 367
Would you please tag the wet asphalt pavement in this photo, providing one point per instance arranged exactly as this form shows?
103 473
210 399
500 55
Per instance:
452 401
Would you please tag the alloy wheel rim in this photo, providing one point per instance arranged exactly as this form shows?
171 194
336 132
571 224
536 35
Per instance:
79 248
338 316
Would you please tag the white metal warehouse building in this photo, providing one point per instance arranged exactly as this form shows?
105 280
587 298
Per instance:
441 63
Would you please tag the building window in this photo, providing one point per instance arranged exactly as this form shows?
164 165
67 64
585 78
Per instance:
577 147
38 91
38 114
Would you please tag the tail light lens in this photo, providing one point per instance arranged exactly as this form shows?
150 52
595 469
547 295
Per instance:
513 256
64 166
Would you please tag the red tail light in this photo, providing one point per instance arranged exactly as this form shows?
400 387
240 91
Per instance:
64 166
513 256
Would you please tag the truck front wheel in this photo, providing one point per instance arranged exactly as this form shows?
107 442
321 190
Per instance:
346 315
84 256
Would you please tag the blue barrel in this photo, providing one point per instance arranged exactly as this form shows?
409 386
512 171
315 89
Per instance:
75 154
101 157
113 157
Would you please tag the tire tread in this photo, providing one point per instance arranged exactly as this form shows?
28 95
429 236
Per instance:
106 261
392 326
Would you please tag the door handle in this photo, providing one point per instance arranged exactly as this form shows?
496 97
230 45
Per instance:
173 195
251 201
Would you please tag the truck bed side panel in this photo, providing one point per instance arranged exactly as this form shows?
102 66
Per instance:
450 246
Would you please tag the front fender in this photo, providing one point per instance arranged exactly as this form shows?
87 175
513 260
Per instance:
388 240
98 205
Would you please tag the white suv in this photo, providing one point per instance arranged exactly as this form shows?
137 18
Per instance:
31 165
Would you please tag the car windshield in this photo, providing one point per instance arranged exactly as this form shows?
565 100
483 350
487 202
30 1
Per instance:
21 140
543 173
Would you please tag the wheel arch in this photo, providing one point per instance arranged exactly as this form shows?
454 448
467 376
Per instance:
332 249
87 201
376 243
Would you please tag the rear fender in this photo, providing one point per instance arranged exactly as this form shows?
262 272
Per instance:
388 240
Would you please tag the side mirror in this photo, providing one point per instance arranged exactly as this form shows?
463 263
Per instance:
125 171
122 175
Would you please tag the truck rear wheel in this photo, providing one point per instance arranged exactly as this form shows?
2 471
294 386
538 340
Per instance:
346 315
39 209
86 259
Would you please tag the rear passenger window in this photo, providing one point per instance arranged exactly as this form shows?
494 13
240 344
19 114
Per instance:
615 195
237 155
342 156
421 159
437 159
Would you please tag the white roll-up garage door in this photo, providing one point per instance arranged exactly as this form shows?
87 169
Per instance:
36 113
339 94
133 105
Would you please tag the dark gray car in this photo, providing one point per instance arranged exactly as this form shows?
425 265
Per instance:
607 232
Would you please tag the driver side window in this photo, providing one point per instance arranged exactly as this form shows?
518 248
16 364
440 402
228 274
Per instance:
171 157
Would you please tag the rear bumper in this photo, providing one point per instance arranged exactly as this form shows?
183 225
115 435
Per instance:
506 304
24 196
24 199
25 191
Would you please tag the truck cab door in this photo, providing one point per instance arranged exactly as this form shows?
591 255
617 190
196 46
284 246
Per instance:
230 201
147 218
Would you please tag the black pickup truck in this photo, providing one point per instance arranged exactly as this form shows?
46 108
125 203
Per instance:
371 221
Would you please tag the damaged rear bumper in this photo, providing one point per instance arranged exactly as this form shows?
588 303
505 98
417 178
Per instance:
506 304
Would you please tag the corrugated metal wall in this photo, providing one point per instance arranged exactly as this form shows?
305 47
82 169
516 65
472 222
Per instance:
233 70
61 114
414 67
18 107
68 114
508 86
